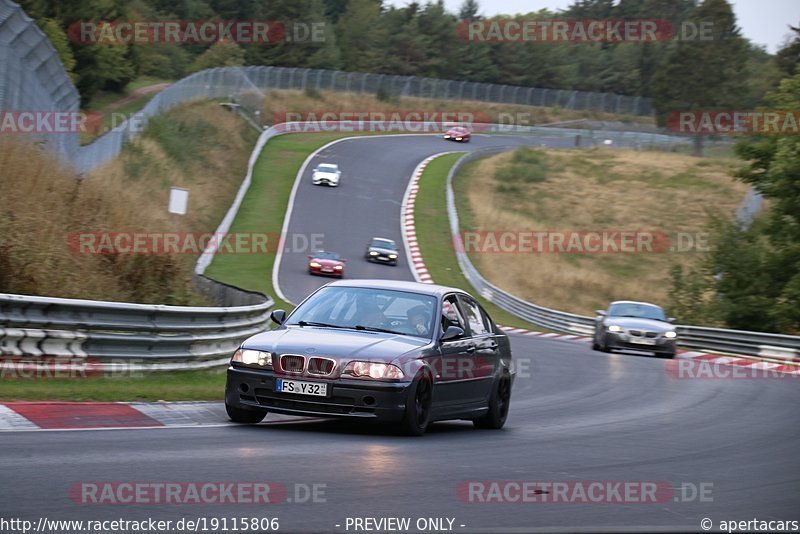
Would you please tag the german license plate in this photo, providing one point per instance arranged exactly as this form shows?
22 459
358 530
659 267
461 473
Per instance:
643 341
301 388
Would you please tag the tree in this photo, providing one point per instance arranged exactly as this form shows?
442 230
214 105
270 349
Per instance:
774 170
220 54
325 54
469 10
789 54
757 269
703 73
590 9
361 36
58 38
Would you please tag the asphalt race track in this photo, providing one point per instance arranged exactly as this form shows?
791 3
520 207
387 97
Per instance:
375 174
576 416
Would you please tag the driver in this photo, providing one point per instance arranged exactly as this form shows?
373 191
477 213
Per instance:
419 319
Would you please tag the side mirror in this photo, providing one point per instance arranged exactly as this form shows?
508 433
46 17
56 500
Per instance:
315 169
310 256
343 260
452 332
278 316
671 319
601 313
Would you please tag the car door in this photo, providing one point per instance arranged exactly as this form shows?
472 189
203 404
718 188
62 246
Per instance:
451 372
485 358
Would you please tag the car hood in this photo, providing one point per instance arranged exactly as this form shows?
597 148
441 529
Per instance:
638 323
337 343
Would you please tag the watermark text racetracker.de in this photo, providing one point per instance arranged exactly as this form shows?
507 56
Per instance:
729 369
160 243
732 122
599 241
403 120
582 31
50 367
195 32
93 493
68 122
582 492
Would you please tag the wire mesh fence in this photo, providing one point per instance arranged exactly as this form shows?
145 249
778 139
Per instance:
32 78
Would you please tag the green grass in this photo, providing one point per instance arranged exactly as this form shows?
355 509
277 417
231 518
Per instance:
105 100
170 386
433 235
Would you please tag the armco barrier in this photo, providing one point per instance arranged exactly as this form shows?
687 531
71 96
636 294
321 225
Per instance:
756 344
116 334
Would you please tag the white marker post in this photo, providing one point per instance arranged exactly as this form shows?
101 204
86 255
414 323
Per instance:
178 200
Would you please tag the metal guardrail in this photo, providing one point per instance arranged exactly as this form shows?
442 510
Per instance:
757 344
111 335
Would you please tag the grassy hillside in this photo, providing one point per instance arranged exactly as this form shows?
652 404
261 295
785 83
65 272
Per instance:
200 147
669 196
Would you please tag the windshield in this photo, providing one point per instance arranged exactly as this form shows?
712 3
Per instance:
645 311
384 243
399 312
327 168
324 255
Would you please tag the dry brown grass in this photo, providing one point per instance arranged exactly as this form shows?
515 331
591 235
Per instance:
282 101
43 205
596 190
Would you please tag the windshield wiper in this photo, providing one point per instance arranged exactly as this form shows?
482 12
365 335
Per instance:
315 323
377 329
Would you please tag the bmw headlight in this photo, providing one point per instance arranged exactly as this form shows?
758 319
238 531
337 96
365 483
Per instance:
373 253
393 256
255 358
373 370
614 328
671 334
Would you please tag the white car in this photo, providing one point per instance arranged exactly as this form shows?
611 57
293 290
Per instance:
326 173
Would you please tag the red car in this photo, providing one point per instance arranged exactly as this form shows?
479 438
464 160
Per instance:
326 263
458 133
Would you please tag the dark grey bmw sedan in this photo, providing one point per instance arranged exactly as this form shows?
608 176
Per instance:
399 352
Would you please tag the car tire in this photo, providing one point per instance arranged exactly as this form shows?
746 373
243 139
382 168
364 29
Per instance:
247 417
417 415
499 402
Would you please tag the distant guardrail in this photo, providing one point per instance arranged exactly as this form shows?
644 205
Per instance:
756 344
